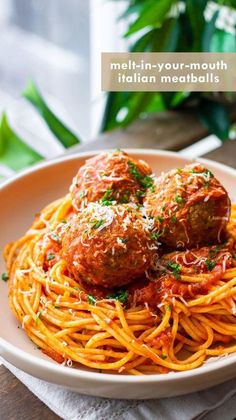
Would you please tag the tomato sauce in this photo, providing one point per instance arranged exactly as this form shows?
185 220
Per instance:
166 281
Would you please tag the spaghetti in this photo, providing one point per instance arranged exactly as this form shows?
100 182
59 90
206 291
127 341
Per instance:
73 326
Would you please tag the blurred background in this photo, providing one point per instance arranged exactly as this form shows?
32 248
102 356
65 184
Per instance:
50 51
58 44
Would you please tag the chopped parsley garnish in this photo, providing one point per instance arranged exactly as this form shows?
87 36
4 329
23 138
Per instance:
124 240
155 235
159 219
64 221
5 277
153 188
121 295
164 356
140 193
210 264
55 237
91 299
208 173
107 200
173 219
125 199
146 181
175 268
50 256
96 223
214 251
179 199
57 307
82 194
37 316
168 308
134 171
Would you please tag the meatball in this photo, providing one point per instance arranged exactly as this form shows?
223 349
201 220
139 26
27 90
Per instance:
110 176
109 246
189 206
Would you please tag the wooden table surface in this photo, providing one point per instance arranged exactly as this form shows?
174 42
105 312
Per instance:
172 133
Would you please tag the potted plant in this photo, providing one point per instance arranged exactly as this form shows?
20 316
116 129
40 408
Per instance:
176 26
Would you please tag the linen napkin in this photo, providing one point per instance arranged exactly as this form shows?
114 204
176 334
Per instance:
212 404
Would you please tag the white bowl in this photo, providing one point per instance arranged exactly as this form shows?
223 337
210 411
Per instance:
23 196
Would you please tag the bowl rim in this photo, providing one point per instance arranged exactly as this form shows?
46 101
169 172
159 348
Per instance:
35 361
51 367
136 151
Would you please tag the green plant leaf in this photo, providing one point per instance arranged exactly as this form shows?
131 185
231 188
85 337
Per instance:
137 104
145 42
178 98
160 39
131 9
166 38
186 37
215 117
223 42
208 33
156 104
195 11
13 151
63 133
114 102
132 104
152 14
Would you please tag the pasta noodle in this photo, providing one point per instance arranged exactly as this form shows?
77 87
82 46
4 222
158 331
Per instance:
56 314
